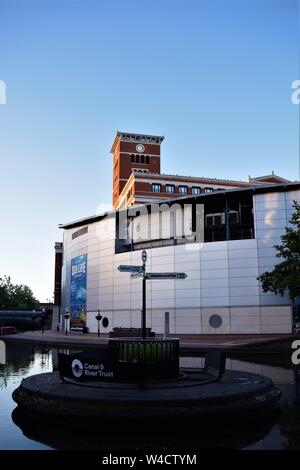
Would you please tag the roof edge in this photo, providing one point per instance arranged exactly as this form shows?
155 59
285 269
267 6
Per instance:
255 190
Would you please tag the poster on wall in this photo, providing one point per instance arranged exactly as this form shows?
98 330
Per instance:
78 291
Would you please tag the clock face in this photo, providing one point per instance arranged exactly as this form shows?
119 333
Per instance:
140 148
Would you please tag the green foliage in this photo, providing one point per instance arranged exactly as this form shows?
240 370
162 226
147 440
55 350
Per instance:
286 275
140 352
16 296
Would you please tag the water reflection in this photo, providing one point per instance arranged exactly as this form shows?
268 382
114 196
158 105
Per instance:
19 430
22 360
165 435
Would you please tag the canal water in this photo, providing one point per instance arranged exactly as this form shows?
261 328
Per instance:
279 431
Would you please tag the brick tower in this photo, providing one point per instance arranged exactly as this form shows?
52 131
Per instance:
133 151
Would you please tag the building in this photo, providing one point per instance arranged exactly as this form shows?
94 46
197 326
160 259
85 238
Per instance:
137 177
56 311
221 294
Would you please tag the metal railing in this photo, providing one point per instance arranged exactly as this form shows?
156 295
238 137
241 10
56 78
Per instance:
136 359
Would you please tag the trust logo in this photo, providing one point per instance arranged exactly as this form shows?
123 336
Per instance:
2 92
2 352
77 368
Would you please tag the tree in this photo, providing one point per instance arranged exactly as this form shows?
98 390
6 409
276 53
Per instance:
4 296
16 296
286 275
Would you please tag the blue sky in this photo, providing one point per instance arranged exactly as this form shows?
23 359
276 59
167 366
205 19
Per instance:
214 77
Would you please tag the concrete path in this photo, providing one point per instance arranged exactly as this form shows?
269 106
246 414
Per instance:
188 343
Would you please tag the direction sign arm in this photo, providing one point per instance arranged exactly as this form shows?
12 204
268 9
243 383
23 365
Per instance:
161 276
127 268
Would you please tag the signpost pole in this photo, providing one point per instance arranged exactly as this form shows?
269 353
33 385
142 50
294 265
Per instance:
144 258
137 271
98 318
144 308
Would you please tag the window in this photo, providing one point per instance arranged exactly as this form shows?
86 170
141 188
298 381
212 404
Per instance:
156 188
147 159
196 190
183 190
218 219
137 159
80 232
142 158
140 170
208 190
170 188
209 220
132 158
233 217
228 216
215 219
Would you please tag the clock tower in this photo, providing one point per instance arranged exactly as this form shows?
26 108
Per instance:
140 152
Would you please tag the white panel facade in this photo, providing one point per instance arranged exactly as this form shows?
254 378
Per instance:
222 277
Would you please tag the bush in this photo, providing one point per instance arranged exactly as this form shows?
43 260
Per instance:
150 352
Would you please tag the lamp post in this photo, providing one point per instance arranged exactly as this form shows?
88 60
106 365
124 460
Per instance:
33 316
43 320
67 316
83 320
98 318
59 314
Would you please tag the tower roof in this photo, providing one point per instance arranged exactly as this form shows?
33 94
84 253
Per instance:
135 137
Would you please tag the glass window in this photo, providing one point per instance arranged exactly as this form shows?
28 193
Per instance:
208 190
80 232
142 158
215 219
147 159
156 188
209 220
233 217
137 159
132 158
196 190
170 188
183 190
228 216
